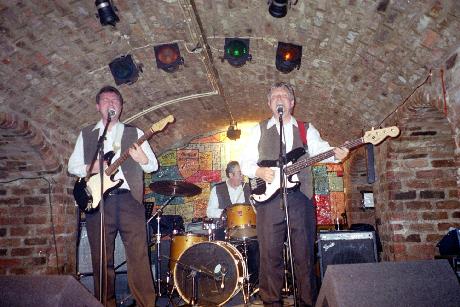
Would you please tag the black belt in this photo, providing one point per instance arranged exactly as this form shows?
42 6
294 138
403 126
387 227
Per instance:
119 191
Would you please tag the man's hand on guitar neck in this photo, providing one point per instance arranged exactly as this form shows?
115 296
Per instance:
340 153
138 154
266 173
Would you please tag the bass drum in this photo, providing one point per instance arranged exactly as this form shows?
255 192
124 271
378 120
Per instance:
180 243
222 271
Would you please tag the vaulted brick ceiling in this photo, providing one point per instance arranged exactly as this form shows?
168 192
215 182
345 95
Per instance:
360 60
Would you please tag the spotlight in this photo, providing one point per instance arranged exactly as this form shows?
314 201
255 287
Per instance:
288 57
278 8
168 57
232 132
237 51
124 70
106 12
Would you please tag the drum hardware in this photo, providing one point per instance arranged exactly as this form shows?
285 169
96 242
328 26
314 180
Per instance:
171 188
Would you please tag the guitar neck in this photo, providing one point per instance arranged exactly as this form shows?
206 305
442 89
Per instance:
125 155
302 163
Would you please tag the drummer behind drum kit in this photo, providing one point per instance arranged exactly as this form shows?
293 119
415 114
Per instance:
206 271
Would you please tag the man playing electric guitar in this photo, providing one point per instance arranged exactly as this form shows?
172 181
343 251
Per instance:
123 209
263 144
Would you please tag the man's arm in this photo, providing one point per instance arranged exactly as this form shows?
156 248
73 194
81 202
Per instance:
77 164
317 145
249 160
213 210
144 155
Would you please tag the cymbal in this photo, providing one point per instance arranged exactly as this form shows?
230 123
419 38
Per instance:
175 188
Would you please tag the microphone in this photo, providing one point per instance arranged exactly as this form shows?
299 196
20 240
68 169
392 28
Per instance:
280 109
112 113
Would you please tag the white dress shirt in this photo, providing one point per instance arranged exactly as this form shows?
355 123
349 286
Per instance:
236 197
77 164
249 158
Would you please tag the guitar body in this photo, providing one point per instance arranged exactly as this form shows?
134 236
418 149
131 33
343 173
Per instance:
88 193
263 192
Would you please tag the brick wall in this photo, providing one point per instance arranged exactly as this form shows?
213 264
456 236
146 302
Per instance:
418 192
27 213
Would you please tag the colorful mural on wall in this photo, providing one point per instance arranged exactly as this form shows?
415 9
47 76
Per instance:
203 161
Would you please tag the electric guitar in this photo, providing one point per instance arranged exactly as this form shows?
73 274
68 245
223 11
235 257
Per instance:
262 191
87 191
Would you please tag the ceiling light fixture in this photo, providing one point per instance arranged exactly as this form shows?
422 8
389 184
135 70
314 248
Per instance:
233 133
288 57
124 70
237 51
168 57
106 12
279 8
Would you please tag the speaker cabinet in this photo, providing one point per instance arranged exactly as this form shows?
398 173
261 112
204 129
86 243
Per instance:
414 283
44 290
343 247
85 268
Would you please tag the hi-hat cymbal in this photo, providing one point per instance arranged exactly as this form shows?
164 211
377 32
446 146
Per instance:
175 188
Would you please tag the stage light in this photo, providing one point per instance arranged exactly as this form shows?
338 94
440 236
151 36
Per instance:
237 51
168 57
106 12
288 57
124 70
278 8
233 133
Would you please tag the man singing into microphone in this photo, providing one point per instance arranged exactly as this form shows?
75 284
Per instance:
123 207
264 144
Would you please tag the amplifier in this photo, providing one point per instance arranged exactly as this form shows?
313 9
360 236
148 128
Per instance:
345 247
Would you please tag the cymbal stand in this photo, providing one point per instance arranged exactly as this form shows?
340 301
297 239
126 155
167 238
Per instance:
246 294
157 216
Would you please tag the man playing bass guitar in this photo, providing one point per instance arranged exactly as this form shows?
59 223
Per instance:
263 144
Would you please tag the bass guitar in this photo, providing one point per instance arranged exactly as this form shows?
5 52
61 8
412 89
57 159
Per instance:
87 190
263 192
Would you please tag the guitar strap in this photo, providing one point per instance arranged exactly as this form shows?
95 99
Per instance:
302 131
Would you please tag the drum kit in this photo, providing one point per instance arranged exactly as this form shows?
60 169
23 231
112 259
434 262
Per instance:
205 270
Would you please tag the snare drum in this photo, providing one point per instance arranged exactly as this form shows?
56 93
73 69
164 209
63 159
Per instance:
241 221
180 243
222 272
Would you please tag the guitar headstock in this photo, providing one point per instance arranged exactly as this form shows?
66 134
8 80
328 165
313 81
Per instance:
378 135
158 126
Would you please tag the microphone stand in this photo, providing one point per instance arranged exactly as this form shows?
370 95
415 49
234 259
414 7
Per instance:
284 204
102 244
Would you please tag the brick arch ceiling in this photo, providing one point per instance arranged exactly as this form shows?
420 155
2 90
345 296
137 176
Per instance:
360 59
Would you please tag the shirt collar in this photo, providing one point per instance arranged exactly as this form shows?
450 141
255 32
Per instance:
100 125
228 185
273 122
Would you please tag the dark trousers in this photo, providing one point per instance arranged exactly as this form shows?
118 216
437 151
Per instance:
125 215
271 233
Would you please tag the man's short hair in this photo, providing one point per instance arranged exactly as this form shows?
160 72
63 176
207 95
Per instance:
231 167
108 89
284 85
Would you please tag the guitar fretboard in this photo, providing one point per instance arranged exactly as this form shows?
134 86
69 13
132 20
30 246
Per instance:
125 155
305 162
